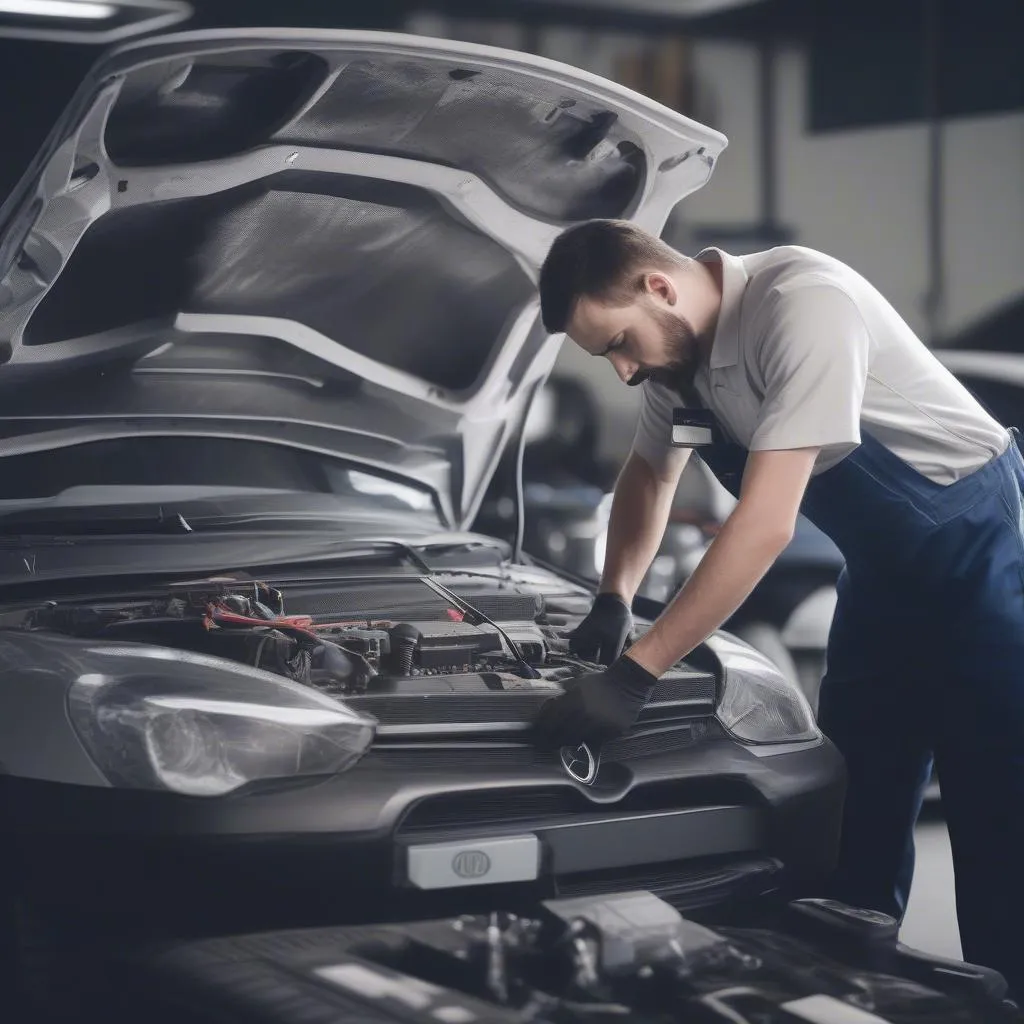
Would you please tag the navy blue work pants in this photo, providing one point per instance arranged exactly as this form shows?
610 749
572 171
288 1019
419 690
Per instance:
926 660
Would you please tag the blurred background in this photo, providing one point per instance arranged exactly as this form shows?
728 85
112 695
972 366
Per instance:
887 134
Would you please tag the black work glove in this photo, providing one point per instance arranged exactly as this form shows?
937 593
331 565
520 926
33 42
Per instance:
602 635
596 707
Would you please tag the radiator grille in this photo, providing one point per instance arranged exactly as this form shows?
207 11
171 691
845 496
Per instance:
680 697
486 808
451 708
486 757
540 806
463 758
685 685
663 741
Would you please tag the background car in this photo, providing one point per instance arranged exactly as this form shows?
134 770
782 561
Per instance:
270 321
996 379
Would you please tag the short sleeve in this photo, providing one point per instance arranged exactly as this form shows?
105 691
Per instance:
813 358
653 438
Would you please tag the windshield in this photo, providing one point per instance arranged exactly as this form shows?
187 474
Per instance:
144 469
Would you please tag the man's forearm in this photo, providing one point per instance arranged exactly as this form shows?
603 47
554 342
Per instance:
754 535
640 510
734 563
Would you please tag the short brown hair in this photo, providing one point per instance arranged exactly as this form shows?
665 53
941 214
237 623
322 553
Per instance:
599 259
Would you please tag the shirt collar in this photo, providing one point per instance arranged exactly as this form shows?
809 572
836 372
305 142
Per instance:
725 344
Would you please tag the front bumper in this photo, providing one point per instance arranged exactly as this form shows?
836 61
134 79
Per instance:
339 850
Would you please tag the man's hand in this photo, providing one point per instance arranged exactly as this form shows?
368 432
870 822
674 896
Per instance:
599 706
602 635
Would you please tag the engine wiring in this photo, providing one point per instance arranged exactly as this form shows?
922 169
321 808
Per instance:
217 615
526 669
340 648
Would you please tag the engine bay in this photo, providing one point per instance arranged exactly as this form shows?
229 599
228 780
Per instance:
351 638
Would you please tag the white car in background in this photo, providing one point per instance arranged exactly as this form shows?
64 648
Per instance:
996 379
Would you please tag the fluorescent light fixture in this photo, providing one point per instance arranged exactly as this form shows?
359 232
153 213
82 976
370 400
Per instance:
58 9
88 21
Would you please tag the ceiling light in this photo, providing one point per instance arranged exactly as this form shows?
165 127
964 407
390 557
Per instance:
88 21
58 8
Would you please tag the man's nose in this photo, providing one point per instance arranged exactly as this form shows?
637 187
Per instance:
625 368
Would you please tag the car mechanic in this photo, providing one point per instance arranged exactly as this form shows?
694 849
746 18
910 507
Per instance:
823 402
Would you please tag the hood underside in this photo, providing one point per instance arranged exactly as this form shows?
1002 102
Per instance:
331 207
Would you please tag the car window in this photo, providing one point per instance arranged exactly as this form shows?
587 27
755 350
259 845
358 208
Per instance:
201 462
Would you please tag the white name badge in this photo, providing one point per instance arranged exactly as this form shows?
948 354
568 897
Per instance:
694 428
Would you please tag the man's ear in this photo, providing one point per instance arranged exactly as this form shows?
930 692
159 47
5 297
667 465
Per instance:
660 287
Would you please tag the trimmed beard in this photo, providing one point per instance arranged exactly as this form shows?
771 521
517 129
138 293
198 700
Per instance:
682 351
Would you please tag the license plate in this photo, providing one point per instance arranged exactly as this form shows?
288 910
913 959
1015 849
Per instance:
473 862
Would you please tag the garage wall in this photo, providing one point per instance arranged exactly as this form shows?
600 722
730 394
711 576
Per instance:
860 196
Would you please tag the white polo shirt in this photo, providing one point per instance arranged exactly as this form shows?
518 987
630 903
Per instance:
808 353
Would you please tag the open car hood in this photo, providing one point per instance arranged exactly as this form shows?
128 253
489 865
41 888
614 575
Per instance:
324 239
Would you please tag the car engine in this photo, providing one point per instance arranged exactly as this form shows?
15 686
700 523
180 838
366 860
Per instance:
360 638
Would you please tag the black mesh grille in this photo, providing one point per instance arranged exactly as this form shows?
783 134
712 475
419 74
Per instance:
465 758
685 687
664 741
452 708
495 807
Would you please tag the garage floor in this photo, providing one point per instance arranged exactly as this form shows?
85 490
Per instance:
930 924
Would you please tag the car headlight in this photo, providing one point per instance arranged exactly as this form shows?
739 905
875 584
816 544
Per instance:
759 704
173 720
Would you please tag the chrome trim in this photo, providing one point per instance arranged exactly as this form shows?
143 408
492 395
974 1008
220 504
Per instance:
453 728
488 728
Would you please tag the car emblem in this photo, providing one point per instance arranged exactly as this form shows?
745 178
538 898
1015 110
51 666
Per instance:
580 763
471 863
